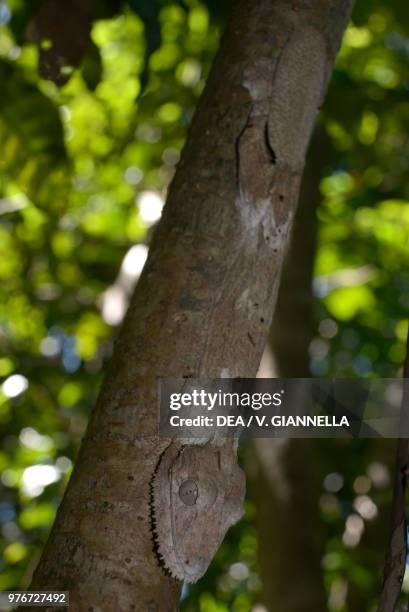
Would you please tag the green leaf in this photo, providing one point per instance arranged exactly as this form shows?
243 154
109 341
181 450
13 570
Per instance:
30 131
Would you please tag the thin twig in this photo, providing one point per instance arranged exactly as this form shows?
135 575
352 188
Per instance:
395 561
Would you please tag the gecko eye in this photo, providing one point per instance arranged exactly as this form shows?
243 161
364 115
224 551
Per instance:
188 492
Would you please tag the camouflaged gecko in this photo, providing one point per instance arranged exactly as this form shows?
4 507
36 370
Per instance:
197 493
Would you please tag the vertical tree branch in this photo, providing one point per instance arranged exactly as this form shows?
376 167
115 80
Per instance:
395 561
209 285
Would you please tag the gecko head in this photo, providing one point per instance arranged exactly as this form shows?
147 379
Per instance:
201 496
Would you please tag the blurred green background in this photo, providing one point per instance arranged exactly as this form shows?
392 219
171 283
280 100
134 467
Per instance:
90 137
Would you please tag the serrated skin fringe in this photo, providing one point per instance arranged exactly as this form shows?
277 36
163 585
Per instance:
154 530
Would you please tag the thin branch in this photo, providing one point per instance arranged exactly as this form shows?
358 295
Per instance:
395 561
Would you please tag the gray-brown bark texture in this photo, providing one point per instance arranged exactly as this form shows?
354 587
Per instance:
287 479
204 303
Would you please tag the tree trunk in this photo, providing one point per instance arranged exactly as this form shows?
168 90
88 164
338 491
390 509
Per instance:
204 302
287 482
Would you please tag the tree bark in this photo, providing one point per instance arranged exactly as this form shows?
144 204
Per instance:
396 555
287 480
204 302
293 322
